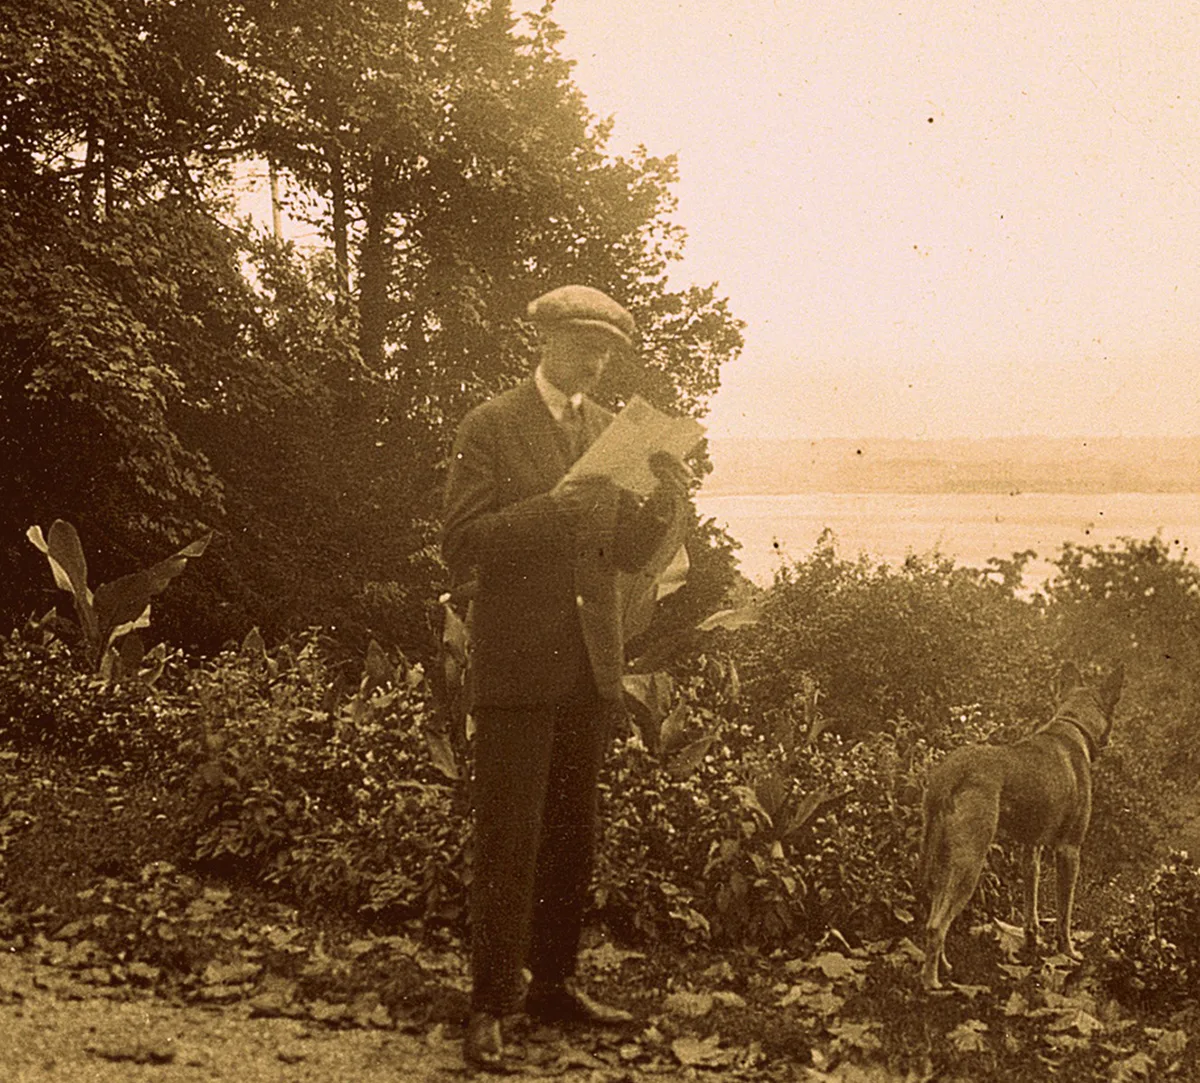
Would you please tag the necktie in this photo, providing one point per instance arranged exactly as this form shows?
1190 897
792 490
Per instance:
572 421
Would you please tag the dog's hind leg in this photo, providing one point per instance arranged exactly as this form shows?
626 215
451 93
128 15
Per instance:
1066 862
1032 877
964 834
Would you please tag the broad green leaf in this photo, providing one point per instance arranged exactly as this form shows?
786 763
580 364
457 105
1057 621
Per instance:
455 636
684 762
123 602
132 650
442 753
61 579
154 663
165 570
65 548
835 966
772 791
1016 1005
652 691
674 727
749 800
731 619
857 1036
1078 1020
805 809
673 576
69 567
378 670
1171 1043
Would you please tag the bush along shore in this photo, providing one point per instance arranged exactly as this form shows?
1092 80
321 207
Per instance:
286 827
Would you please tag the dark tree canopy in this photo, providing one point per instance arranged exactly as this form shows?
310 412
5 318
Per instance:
166 367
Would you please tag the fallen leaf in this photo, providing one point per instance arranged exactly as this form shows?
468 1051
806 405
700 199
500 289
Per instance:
135 1052
856 1036
1078 1020
230 973
969 991
1016 1005
1015 971
686 1003
834 965
722 971
967 1037
1139 1066
696 1052
815 998
1011 938
729 999
608 956
1171 1044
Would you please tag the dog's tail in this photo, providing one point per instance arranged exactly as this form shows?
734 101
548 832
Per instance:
934 844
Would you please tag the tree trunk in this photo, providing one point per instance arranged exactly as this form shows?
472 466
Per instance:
341 224
374 266
276 214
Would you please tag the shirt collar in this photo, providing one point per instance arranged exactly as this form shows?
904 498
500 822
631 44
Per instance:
556 402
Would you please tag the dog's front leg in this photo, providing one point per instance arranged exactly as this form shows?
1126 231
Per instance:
1066 864
1033 874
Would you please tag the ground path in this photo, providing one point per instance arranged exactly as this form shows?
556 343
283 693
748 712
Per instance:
97 1040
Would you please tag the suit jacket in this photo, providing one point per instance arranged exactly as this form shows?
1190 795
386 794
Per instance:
546 601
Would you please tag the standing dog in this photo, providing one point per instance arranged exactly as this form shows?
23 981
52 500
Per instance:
1038 792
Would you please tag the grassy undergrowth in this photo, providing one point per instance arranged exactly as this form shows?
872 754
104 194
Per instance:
91 896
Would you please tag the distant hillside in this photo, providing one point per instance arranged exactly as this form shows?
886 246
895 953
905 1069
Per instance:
1002 464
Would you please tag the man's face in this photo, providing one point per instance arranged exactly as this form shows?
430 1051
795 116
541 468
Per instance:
574 357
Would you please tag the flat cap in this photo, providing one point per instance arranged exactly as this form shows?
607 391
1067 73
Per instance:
584 307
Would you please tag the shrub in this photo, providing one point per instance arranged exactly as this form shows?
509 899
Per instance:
350 802
1139 601
767 836
47 703
883 643
328 791
1153 954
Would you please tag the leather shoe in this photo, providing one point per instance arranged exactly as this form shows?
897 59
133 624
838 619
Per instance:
566 1004
482 1045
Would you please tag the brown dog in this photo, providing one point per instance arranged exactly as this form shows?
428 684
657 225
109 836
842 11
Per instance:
1038 792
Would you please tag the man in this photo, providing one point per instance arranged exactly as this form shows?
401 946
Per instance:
546 656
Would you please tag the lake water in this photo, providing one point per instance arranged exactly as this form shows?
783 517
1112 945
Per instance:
970 527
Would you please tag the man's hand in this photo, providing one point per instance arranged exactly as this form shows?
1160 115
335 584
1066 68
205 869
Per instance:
580 496
673 478
670 472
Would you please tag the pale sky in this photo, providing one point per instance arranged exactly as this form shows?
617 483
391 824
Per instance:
937 219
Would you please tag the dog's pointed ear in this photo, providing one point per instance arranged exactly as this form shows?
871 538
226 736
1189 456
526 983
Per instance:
1110 690
1068 677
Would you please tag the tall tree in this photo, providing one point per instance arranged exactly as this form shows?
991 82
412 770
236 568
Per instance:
163 368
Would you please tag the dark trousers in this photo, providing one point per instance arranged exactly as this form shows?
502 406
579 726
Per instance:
535 795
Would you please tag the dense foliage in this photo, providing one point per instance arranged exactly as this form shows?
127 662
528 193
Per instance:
166 369
749 808
739 807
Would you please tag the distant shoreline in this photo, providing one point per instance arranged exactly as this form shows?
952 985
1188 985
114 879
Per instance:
709 490
971 528
994 465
